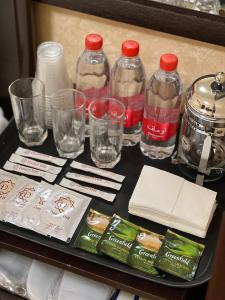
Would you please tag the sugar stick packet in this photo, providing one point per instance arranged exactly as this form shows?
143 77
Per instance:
97 171
8 182
94 180
29 171
144 251
40 156
92 231
15 158
87 190
118 239
19 200
62 214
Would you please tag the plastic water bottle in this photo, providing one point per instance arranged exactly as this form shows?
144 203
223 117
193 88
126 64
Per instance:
162 110
127 84
92 72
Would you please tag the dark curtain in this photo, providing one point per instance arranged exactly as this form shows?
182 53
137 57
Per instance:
16 46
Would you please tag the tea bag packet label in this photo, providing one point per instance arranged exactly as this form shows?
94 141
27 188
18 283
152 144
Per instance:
31 217
19 201
34 164
8 182
87 190
29 171
179 256
144 251
97 171
94 180
118 239
62 215
92 231
40 156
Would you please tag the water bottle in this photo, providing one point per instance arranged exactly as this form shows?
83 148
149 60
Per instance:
127 84
92 72
162 110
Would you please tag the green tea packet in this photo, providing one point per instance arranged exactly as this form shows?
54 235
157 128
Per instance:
92 231
179 256
118 239
144 250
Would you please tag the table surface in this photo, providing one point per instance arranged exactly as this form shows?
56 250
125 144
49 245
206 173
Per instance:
128 282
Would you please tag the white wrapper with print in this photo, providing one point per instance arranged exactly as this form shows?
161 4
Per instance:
8 183
29 171
87 190
31 216
19 200
40 156
62 214
34 164
97 171
94 180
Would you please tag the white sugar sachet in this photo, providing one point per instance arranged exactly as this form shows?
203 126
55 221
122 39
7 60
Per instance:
87 190
31 217
29 171
19 200
94 180
8 183
40 156
62 214
97 171
15 158
172 201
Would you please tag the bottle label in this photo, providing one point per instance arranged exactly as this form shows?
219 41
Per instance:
134 109
158 131
132 118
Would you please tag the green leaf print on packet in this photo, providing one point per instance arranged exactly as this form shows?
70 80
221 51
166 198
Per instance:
144 251
92 231
118 239
179 256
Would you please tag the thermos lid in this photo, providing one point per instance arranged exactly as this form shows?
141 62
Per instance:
206 96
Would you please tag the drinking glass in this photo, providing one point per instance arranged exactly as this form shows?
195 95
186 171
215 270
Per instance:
68 120
106 131
28 103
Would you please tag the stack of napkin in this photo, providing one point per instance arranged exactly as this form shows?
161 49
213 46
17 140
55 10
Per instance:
171 200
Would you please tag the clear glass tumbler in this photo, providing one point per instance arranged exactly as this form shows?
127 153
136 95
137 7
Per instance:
28 103
68 120
106 131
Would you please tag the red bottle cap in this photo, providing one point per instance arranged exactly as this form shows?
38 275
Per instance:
130 48
168 62
93 42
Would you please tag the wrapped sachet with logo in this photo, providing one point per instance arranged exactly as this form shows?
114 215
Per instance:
62 214
118 239
19 200
144 250
92 231
8 182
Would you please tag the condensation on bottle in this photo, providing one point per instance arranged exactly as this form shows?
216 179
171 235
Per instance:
161 110
92 72
127 84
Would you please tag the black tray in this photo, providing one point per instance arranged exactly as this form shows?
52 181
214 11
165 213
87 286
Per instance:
130 165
